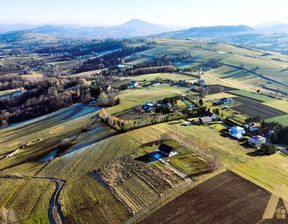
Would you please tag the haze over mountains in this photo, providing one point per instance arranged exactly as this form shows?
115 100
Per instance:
132 28
138 28
270 35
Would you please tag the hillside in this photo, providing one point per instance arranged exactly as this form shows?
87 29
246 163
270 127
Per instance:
132 28
211 31
241 35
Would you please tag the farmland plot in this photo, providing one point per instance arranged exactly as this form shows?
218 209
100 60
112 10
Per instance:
225 198
253 108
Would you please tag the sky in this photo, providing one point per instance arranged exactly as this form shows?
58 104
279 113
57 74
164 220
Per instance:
186 13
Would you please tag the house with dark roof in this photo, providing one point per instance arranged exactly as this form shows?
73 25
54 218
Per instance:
224 101
205 120
202 120
167 150
211 115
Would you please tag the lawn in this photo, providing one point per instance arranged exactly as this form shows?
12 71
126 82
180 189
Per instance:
281 120
132 97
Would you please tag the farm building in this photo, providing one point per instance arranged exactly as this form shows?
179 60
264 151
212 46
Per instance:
226 101
202 120
252 126
257 141
237 132
150 106
121 66
205 120
133 84
211 115
167 150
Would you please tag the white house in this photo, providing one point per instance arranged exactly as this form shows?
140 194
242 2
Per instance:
133 84
237 132
187 123
257 141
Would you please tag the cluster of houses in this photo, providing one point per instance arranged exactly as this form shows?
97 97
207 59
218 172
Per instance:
255 140
208 118
152 106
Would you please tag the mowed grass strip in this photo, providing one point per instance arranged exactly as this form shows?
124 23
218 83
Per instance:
251 95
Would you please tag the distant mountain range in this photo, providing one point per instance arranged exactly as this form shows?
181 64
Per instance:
132 28
270 35
210 31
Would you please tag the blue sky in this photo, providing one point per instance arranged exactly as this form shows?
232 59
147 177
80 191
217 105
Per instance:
114 12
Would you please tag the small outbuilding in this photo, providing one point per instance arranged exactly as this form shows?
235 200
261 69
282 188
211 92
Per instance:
187 123
205 120
167 150
252 126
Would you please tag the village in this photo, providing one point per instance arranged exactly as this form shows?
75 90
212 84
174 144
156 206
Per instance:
249 133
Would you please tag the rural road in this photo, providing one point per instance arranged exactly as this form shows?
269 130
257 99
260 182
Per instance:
166 198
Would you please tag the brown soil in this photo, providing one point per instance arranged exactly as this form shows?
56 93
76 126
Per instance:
253 108
225 198
117 171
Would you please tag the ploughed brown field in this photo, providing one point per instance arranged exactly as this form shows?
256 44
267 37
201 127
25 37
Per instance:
225 198
253 108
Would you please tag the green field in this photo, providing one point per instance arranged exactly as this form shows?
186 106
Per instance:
252 95
281 120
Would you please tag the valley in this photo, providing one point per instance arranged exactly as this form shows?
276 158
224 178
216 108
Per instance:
74 138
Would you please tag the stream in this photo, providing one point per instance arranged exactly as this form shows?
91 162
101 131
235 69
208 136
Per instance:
55 214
